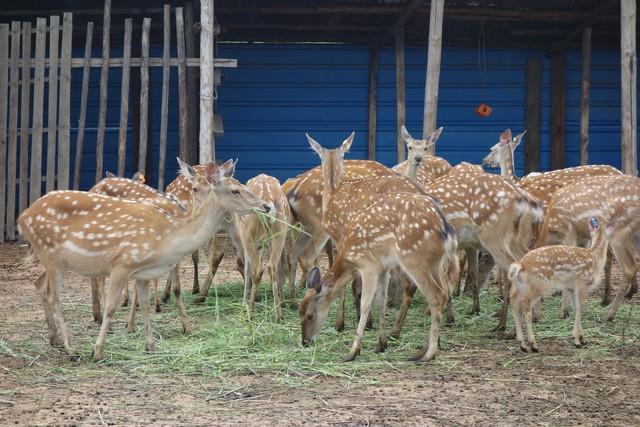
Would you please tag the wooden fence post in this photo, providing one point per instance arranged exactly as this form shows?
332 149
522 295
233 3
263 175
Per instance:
628 79
182 86
584 101
35 181
4 90
433 70
52 111
124 96
207 148
64 118
104 80
373 84
400 95
12 151
83 107
144 95
25 108
557 110
164 109
193 122
533 84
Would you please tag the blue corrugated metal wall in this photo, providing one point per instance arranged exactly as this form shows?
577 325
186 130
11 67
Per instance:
279 92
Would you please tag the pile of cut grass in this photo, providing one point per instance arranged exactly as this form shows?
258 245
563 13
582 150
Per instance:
237 344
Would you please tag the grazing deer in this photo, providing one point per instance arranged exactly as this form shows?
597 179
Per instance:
501 155
398 230
304 193
418 152
251 232
131 189
95 235
575 271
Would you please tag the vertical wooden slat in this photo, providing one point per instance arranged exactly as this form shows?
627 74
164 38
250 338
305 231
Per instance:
193 122
12 150
433 70
35 188
144 94
164 108
207 149
400 94
557 110
182 88
628 87
52 111
64 117
104 80
373 96
83 106
533 84
4 90
584 101
124 96
25 113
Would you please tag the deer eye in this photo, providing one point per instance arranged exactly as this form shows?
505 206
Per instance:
195 190
410 148
235 192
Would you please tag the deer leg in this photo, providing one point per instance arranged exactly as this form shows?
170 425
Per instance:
383 292
528 318
516 310
42 287
186 323
564 306
472 269
277 283
606 299
626 261
298 247
131 318
142 291
463 263
408 291
356 290
195 257
96 291
54 280
632 289
166 293
579 296
156 296
117 281
328 249
340 312
216 253
370 282
125 299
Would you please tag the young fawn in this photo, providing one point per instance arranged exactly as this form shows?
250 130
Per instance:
573 270
96 235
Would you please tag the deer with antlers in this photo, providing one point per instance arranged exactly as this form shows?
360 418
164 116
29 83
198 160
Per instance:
573 270
405 230
252 233
96 235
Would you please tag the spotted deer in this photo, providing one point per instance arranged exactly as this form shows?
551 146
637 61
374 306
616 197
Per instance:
569 209
304 193
96 235
501 155
131 189
398 230
573 270
417 152
252 233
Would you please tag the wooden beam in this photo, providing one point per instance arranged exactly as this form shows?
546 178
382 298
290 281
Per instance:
193 76
124 96
373 83
64 109
144 96
207 147
533 85
4 91
164 106
433 70
35 180
628 86
52 111
406 12
584 99
104 80
400 94
84 95
182 89
557 110
25 106
153 62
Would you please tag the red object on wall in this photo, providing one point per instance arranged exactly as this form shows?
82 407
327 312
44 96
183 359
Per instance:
483 110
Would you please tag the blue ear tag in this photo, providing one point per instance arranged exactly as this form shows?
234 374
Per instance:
594 222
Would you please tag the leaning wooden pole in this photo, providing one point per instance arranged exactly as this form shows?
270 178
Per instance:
184 130
628 66
164 107
373 96
104 79
144 95
584 101
84 95
433 70
124 96
400 94
207 148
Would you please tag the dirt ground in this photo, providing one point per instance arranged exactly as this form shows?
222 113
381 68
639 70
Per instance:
483 382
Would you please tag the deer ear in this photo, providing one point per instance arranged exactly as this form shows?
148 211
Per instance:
228 168
516 140
213 173
433 137
405 134
505 136
109 174
313 280
315 145
138 176
346 144
186 170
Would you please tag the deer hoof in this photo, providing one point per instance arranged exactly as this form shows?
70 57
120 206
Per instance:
609 317
150 348
199 299
351 356
186 329
523 347
195 290
74 357
96 355
381 346
131 328
340 326
418 356
534 347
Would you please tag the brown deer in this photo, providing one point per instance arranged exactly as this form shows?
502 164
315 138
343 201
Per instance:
571 207
252 233
418 152
575 271
397 230
96 235
501 155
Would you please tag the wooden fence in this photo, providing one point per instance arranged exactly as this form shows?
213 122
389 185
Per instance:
25 174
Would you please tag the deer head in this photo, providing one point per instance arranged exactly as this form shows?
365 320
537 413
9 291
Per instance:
418 149
502 152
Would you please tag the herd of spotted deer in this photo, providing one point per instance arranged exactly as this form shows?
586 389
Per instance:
404 228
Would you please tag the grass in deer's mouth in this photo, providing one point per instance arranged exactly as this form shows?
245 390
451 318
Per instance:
238 345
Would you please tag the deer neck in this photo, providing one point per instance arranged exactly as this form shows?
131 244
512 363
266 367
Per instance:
598 251
506 167
412 170
332 176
